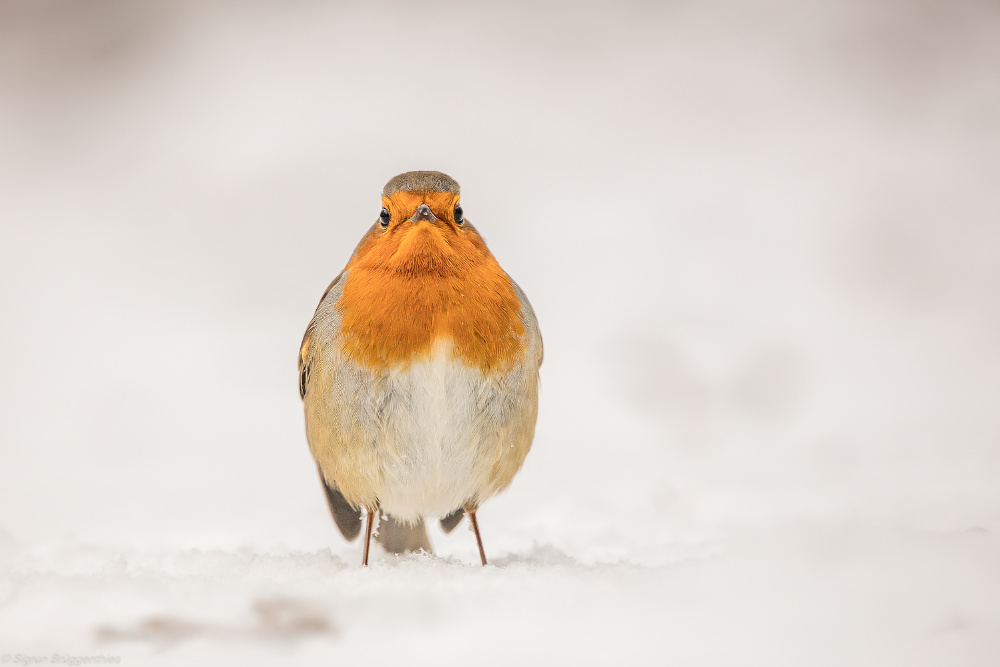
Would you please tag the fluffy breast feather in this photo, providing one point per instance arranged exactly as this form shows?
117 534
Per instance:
435 417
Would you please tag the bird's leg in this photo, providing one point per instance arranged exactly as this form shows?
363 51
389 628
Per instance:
475 529
368 534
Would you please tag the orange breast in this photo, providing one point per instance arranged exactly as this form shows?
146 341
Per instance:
412 285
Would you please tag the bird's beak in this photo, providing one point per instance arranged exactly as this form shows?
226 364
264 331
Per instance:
423 212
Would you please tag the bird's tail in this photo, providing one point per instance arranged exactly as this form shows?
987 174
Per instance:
398 537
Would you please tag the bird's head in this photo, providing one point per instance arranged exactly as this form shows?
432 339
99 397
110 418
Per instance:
421 227
422 273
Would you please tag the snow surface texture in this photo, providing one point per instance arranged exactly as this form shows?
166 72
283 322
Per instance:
762 243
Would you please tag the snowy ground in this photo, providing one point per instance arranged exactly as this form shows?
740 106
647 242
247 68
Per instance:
762 243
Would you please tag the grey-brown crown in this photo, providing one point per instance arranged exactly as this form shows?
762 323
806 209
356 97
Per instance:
420 181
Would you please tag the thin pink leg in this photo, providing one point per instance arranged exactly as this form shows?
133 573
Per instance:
368 535
475 529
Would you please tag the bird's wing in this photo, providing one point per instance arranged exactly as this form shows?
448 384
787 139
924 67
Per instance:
449 522
347 518
306 348
530 322
325 320
304 363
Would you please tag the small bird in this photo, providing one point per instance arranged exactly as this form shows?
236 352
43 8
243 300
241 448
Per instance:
419 372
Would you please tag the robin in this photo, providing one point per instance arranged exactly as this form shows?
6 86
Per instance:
419 372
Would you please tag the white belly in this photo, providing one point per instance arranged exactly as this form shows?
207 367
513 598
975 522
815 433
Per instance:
420 440
437 441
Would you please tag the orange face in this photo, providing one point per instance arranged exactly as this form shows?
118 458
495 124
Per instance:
417 281
412 244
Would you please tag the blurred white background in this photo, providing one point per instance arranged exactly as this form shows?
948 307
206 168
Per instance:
761 239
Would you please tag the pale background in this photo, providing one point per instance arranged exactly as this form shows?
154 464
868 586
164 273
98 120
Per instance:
763 243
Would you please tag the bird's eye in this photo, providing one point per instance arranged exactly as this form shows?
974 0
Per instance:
384 217
459 218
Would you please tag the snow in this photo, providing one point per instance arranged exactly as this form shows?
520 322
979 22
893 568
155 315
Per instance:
761 242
